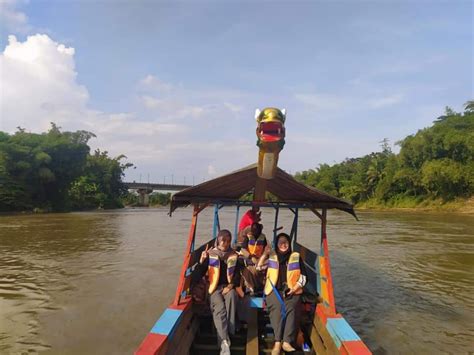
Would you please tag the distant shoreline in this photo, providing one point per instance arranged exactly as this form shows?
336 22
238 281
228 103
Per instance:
463 206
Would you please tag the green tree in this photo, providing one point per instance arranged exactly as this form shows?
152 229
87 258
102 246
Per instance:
101 183
436 162
54 171
469 107
446 178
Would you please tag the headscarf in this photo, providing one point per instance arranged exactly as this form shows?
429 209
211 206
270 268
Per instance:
283 257
222 254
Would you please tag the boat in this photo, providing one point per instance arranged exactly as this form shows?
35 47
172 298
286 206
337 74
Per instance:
186 326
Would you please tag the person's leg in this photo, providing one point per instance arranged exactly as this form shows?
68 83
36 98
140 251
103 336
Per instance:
274 310
243 308
291 324
219 315
248 275
231 301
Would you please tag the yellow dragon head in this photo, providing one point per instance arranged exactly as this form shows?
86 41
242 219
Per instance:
270 126
271 139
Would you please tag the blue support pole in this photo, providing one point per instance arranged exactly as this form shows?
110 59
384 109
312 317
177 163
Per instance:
216 227
236 224
294 227
296 224
277 209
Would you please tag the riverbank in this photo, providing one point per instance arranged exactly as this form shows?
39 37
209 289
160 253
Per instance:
465 206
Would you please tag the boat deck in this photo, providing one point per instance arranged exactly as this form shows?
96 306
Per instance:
254 338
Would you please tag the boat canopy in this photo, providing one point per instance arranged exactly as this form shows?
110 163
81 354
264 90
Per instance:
231 187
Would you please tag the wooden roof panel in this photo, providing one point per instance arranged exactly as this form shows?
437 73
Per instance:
236 184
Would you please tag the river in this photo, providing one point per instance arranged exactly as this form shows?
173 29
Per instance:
95 283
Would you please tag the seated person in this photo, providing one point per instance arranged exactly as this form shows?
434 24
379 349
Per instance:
222 268
254 250
250 217
286 277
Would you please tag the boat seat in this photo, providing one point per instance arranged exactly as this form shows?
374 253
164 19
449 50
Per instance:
256 302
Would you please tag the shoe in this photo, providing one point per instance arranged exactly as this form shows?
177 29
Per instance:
225 347
287 347
276 348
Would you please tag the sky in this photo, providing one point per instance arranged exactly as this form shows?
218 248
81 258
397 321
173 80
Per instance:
174 85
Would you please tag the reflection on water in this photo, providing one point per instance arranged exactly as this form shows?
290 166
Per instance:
96 282
412 274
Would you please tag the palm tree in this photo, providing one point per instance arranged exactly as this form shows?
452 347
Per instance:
469 106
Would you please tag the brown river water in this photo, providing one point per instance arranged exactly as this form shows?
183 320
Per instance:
95 283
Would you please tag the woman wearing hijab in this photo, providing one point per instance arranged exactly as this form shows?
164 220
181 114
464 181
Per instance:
286 277
221 265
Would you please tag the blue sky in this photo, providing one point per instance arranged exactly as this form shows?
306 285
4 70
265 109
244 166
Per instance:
174 85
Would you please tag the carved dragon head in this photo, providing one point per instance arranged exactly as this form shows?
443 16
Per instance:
270 125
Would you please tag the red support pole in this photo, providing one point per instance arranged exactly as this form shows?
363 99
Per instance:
324 241
187 256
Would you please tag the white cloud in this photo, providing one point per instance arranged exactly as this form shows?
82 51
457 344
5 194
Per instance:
385 101
13 20
39 85
232 107
152 83
173 108
211 170
175 102
321 101
324 102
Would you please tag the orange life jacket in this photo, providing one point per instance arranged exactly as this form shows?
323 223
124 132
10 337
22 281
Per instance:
293 272
215 267
256 246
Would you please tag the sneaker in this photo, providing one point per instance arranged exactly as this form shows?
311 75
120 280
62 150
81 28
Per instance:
225 347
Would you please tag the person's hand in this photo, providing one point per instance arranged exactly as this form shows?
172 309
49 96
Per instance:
204 255
293 290
244 252
227 289
254 260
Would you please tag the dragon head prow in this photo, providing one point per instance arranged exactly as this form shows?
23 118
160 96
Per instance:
271 139
270 124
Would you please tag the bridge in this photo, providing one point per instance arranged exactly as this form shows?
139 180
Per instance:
145 189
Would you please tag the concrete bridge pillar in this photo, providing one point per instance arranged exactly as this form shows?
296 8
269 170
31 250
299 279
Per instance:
144 197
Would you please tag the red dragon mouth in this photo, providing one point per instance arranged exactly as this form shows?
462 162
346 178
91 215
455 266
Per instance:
271 131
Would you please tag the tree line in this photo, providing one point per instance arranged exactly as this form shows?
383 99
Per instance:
436 163
55 171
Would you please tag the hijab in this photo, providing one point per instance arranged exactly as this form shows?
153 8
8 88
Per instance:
283 257
222 254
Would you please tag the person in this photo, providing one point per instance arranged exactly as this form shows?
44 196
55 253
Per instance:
251 216
253 250
222 268
286 277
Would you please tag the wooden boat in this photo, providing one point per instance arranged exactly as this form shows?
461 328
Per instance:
186 326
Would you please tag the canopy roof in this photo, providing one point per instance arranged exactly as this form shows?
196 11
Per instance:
231 187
